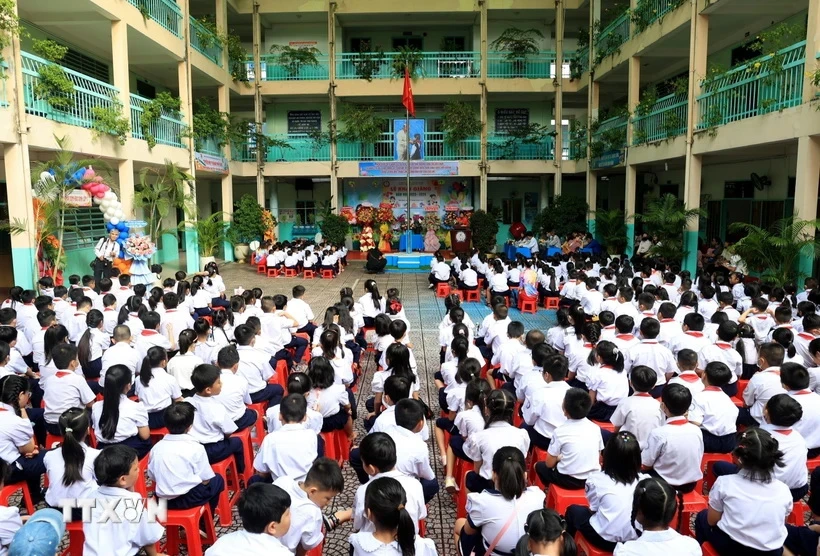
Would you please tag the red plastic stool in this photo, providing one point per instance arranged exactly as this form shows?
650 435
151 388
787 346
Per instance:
471 295
798 515
461 499
422 527
327 273
551 302
188 521
141 486
290 273
527 304
316 551
813 463
9 490
537 455
226 500
442 289
692 504
273 272
259 428
518 419
708 550
261 268
245 437
52 440
337 446
158 434
559 499
707 464
586 548
307 275
76 539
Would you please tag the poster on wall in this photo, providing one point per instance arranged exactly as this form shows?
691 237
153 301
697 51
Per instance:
417 168
408 142
210 163
426 195
304 121
510 119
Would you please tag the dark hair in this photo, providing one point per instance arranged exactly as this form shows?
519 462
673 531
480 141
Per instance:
227 357
794 376
132 305
553 364
757 452
622 458
386 500
321 373
500 407
73 425
694 321
510 468
677 398
773 353
372 288
650 328
113 462
785 338
325 474
187 338
204 376
398 361
468 370
718 373
577 403
544 526
687 358
155 356
92 320
45 317
397 387
117 378
379 450
293 408
299 383
63 354
656 501
477 392
784 411
625 324
260 505
55 335
179 417
398 328
409 413
12 387
609 354
150 320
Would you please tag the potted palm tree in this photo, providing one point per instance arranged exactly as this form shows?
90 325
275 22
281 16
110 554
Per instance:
610 227
518 44
667 218
246 227
211 232
775 252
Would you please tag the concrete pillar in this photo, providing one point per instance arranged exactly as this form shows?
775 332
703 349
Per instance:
21 209
694 172
544 199
483 165
633 93
184 73
258 116
592 200
812 46
221 11
335 192
805 191
224 99
629 206
558 158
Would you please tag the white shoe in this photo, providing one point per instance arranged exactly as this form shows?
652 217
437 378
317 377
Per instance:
450 485
430 287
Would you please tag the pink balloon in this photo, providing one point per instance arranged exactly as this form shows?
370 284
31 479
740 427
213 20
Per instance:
99 194
89 173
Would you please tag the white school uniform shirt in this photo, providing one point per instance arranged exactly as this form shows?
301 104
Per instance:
675 451
579 443
591 302
365 544
15 432
313 419
201 299
543 410
808 425
135 325
624 342
652 543
612 503
498 283
110 316
327 400
469 277
670 328
243 543
181 366
305 517
707 308
291 261
120 353
123 536
178 463
387 419
369 308
762 529
761 388
627 308
38 346
715 411
300 311
441 270
235 395
211 421
469 422
63 309
287 452
379 378
147 339
484 444
725 353
412 453
55 471
122 293
611 387
75 325
179 319
254 366
655 356
160 392
690 380
793 473
761 323
490 511
64 390
801 346
507 356
133 415
691 339
99 343
412 489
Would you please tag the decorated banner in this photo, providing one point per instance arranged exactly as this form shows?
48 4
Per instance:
417 168
408 141
77 198
426 195
210 163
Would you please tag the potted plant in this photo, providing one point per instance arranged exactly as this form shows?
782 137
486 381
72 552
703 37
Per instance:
409 58
368 62
459 121
53 84
334 228
318 139
484 228
211 232
518 44
294 59
532 134
565 214
667 218
248 225
361 125
610 227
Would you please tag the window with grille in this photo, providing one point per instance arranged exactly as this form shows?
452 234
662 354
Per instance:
83 227
305 213
85 65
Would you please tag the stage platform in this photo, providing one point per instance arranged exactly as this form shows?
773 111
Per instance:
408 261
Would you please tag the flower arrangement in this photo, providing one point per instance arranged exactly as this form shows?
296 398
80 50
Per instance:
432 221
269 220
365 215
366 239
385 214
450 219
348 214
139 247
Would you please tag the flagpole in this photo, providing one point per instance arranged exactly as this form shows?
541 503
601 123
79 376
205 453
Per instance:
409 242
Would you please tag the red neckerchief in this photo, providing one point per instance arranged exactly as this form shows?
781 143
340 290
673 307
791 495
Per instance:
107 309
723 345
802 392
677 422
642 395
61 374
649 341
689 376
712 389
648 314
694 333
148 332
806 336
784 432
761 317
588 345
626 337
667 320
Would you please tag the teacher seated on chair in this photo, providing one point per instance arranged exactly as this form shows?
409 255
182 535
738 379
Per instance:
106 251
375 261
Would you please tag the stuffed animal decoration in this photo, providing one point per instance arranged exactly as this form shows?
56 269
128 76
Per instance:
386 236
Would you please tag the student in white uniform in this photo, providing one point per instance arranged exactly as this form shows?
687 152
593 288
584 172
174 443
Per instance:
235 395
652 353
412 453
291 450
763 385
607 519
64 389
724 351
692 338
542 411
179 466
714 412
372 302
92 345
688 376
330 399
150 335
117 419
18 447
795 379
265 513
175 319
181 366
385 503
121 352
654 506
254 366
155 388
728 524
117 471
498 433
546 534
509 501
607 381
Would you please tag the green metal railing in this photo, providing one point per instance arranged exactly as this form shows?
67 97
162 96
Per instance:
165 12
243 152
434 147
205 42
535 66
608 129
667 119
273 70
167 130
88 93
209 146
758 87
502 147
302 149
578 60
653 10
614 34
352 65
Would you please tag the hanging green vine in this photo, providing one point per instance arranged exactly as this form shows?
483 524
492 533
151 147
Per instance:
109 120
648 100
645 13
577 139
237 58
9 25
53 84
406 57
151 113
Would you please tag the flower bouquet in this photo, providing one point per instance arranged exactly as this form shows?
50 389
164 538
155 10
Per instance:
269 220
450 219
385 214
432 221
365 215
140 249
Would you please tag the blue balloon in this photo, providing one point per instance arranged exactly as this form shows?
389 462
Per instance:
76 177
109 226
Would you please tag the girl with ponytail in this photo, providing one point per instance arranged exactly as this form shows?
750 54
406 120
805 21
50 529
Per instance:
468 371
117 419
579 356
466 423
17 435
92 344
445 378
182 365
545 534
607 383
156 389
395 531
130 315
496 516
70 468
372 302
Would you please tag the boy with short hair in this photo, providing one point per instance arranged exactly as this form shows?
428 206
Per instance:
715 412
174 319
120 353
235 396
687 364
110 313
625 306
763 385
46 318
693 337
725 301
674 451
308 498
652 354
624 339
758 318
150 335
640 413
265 513
575 450
302 313
795 380
289 451
212 426
412 453
65 388
116 469
123 291
542 411
179 465
254 366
